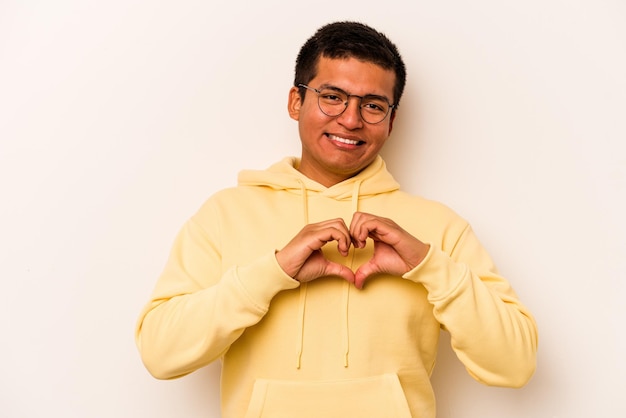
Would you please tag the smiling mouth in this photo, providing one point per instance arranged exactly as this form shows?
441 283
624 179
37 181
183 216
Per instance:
344 140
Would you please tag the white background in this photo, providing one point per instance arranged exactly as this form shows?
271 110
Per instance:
119 118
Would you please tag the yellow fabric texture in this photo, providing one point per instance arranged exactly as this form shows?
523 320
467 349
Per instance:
329 349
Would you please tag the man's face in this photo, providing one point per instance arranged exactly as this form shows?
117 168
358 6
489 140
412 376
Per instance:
339 147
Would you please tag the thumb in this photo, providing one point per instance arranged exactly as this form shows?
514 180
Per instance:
365 271
336 269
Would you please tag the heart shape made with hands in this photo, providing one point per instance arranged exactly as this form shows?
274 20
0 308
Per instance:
395 250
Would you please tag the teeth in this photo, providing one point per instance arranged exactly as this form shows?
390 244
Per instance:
343 140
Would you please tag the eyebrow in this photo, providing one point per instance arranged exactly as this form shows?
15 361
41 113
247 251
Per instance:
339 90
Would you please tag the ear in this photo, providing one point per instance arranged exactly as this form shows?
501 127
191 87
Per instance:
294 103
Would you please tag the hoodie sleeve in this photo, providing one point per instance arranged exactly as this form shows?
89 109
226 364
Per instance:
197 311
492 333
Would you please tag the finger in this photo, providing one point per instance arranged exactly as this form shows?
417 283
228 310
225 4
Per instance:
356 233
341 235
335 269
364 225
316 235
361 275
338 232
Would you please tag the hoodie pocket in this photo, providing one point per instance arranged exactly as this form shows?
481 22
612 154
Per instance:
372 397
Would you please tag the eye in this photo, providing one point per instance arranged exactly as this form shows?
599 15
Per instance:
332 97
374 105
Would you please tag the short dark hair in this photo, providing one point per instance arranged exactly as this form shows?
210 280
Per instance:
349 40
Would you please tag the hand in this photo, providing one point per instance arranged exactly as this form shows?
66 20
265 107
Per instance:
395 250
302 257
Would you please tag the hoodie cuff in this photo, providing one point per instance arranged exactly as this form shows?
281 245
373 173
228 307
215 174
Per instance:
438 273
263 279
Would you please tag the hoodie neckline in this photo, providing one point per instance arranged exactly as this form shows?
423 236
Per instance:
374 179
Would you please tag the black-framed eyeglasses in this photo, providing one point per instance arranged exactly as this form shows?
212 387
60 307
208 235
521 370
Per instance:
333 102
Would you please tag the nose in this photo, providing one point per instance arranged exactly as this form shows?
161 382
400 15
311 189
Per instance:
351 117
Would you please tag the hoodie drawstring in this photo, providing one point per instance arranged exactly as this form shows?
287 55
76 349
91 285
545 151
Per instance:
301 309
346 286
303 286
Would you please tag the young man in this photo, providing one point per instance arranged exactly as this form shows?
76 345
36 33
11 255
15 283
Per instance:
322 286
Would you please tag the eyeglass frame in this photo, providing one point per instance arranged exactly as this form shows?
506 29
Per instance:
319 92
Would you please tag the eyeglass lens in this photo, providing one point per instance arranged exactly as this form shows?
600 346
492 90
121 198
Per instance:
373 109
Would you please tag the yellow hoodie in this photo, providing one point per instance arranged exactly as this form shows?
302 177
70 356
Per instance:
327 349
